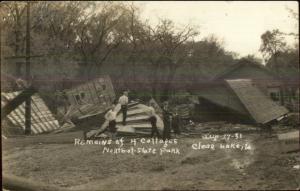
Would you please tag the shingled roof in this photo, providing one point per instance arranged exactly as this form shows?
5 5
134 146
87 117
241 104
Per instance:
260 107
42 119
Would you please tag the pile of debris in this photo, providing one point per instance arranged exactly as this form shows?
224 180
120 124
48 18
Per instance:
137 122
87 99
42 120
292 120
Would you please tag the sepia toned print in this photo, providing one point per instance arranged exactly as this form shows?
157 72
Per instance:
149 95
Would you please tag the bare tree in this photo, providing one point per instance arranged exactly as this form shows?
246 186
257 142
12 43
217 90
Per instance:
97 35
272 43
168 53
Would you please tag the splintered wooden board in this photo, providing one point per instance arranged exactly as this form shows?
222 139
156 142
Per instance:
136 111
132 104
134 107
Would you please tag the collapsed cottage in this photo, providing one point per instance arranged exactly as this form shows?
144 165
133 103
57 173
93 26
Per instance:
92 99
87 99
245 92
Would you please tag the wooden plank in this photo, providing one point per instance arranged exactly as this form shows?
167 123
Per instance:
40 113
137 126
21 110
87 93
13 104
90 114
13 119
97 99
16 114
36 114
19 113
133 118
35 129
136 111
92 92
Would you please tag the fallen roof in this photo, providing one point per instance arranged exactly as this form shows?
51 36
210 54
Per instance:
260 107
42 119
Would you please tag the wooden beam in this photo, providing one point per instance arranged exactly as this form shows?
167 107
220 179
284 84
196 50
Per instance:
18 100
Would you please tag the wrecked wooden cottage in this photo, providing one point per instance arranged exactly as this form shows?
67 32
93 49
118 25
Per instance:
87 99
42 120
92 99
245 93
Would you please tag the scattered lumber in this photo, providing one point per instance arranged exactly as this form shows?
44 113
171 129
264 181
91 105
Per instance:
137 122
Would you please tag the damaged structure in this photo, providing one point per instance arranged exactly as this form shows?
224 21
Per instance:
42 120
95 97
137 122
88 99
246 92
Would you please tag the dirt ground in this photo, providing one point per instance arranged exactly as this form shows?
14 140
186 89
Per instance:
86 167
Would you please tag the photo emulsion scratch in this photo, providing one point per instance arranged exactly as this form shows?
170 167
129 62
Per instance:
149 95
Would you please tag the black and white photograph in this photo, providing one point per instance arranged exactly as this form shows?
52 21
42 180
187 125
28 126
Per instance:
149 95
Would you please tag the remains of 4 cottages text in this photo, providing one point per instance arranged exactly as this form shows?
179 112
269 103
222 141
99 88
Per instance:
173 150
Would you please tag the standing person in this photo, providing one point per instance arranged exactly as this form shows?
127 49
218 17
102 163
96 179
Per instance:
153 120
167 117
111 116
123 100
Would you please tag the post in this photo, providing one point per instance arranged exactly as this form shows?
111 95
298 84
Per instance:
1 41
28 100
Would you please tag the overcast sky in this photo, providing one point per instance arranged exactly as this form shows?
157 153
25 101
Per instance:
238 24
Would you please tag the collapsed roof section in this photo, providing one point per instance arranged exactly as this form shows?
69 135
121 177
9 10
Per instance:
260 107
42 119
242 96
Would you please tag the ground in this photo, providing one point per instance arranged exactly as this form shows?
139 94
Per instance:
86 167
